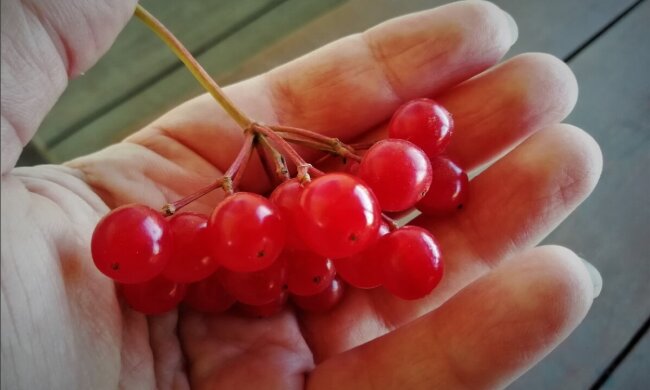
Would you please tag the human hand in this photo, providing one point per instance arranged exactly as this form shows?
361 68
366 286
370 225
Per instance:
63 326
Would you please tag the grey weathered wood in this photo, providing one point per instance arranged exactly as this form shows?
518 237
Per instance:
586 18
634 371
179 86
138 57
559 26
554 26
611 229
32 155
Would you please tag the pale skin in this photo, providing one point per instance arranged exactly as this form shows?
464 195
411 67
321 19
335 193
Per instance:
63 327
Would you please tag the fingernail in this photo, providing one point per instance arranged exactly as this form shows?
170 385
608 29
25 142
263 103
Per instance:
596 278
514 30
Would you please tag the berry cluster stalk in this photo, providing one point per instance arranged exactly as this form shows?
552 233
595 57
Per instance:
271 141
193 66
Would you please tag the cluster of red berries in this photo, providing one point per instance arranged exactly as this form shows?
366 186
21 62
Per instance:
304 241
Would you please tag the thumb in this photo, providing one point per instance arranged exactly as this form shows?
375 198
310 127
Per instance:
44 44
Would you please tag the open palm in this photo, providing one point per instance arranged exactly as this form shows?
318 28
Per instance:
501 306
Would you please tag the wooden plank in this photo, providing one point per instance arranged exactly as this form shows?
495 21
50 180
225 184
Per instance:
32 155
559 26
634 371
351 17
553 26
138 58
220 59
611 228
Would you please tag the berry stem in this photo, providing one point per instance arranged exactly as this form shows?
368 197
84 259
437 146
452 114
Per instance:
305 133
193 66
361 146
266 150
317 141
238 167
304 169
228 182
336 150
171 208
306 142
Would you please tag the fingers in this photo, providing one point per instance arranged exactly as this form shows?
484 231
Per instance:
43 44
169 364
496 110
356 82
159 171
484 337
517 201
513 205
503 106
351 85
229 351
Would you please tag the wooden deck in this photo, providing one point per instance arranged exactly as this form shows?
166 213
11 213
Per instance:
604 41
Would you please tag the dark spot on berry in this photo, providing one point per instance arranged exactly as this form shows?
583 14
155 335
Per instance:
115 266
345 160
460 206
317 279
352 237
261 253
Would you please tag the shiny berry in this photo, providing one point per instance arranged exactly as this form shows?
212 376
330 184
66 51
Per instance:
323 301
132 244
266 310
190 260
398 172
255 288
246 232
307 272
411 263
425 123
339 216
363 270
156 296
208 296
286 197
449 189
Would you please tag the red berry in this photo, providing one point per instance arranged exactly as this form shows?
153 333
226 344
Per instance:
156 296
363 270
323 301
190 260
131 244
398 172
411 263
255 288
425 123
266 310
307 272
287 197
246 232
339 216
208 296
448 191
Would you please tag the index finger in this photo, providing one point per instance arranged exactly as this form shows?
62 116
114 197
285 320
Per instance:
351 85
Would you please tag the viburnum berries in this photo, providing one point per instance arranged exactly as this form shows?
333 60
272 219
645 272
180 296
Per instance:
257 254
132 244
246 232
